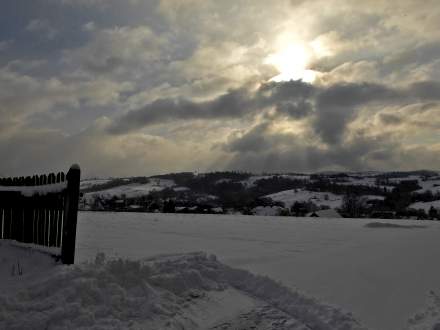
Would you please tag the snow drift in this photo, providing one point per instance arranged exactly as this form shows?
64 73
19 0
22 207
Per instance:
189 291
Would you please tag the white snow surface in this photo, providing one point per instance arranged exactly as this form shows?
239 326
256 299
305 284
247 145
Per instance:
381 275
267 210
250 182
425 205
151 278
88 183
181 291
433 185
289 197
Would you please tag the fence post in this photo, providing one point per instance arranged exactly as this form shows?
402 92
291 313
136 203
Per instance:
70 215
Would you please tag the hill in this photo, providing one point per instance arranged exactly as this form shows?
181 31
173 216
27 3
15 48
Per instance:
414 194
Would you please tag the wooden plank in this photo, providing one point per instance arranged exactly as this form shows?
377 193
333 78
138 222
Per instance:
70 215
28 221
1 221
52 227
40 225
7 223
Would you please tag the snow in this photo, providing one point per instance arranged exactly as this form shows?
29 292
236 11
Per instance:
267 210
373 197
29 191
19 265
132 190
425 205
250 182
192 291
289 197
429 318
329 214
381 275
88 183
433 185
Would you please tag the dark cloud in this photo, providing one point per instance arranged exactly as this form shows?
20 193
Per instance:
332 108
297 110
421 54
390 119
253 141
336 106
288 97
264 151
233 104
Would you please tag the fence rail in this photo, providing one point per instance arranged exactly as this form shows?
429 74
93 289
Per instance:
42 210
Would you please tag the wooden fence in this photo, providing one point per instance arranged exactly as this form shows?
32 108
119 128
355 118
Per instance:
41 210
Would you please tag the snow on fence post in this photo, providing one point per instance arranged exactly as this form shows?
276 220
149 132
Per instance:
41 210
70 215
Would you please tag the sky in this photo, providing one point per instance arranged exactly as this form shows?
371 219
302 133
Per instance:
143 87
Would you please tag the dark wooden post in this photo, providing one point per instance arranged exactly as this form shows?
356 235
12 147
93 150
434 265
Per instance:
70 215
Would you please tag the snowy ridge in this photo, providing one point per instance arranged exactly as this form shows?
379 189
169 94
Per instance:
173 292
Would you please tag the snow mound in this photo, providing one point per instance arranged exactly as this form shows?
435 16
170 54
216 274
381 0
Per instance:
171 292
391 225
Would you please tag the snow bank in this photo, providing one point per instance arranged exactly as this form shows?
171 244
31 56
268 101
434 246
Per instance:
391 225
172 292
428 319
20 264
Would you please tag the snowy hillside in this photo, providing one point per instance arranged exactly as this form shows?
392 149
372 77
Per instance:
372 194
88 183
132 190
289 197
426 205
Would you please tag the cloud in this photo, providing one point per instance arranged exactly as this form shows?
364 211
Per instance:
5 44
263 150
331 108
42 26
127 49
99 154
23 95
191 75
233 104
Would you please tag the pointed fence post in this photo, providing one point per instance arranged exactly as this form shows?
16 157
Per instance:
70 215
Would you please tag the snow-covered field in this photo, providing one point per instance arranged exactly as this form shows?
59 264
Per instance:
382 275
387 277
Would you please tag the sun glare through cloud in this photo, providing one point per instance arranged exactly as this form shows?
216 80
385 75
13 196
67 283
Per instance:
291 61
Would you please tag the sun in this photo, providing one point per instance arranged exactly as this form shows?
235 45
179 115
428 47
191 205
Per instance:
291 61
